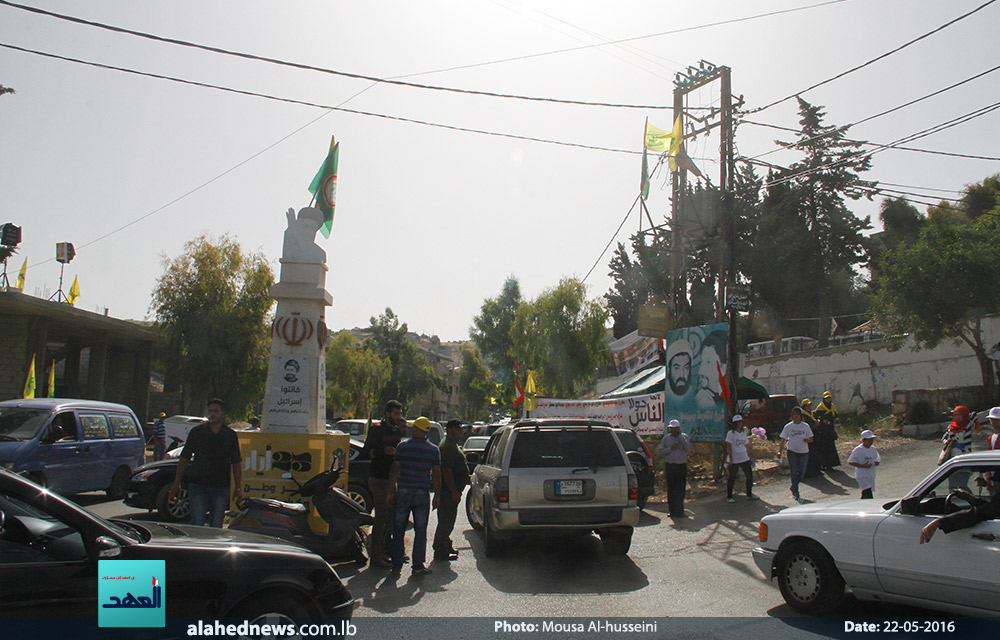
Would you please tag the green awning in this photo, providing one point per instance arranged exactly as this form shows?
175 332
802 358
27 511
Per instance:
747 389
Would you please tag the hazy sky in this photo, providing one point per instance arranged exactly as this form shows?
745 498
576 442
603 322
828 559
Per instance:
431 220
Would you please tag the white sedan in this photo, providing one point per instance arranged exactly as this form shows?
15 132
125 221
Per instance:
874 547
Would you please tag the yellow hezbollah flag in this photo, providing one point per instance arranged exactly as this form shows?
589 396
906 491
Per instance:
74 292
675 144
657 139
29 384
52 380
530 393
20 277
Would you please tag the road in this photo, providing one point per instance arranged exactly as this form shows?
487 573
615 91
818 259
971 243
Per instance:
697 567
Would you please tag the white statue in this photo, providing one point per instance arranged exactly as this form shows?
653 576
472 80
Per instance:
300 237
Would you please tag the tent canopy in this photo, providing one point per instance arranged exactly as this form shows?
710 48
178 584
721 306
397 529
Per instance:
653 379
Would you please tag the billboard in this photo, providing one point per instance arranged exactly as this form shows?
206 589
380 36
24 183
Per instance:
644 413
696 360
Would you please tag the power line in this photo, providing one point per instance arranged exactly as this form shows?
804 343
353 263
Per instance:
615 235
297 65
317 105
876 59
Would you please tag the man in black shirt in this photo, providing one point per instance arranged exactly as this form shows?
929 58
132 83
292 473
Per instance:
965 518
380 447
211 450
454 478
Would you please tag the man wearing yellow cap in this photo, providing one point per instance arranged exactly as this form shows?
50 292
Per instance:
159 437
416 472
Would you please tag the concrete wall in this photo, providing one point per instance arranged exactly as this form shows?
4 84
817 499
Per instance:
859 373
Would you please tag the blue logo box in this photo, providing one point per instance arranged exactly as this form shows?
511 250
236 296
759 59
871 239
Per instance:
130 593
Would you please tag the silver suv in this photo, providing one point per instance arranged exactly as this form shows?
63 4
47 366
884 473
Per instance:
554 474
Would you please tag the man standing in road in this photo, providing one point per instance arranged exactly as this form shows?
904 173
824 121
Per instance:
674 448
454 477
380 447
159 437
215 449
415 474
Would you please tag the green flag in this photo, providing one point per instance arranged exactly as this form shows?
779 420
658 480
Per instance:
29 383
324 187
644 186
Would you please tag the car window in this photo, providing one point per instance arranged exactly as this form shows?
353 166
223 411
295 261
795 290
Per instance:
629 440
32 535
495 457
17 423
576 448
123 426
980 481
95 427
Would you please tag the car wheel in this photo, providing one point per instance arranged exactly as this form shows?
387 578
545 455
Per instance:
616 542
270 608
808 579
362 496
119 484
494 546
468 514
176 510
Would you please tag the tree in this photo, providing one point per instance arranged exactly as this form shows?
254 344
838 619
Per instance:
943 284
490 332
212 306
475 386
355 376
560 335
410 371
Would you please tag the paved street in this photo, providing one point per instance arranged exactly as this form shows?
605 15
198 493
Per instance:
700 566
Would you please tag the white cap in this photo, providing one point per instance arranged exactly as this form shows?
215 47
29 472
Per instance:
737 417
677 347
867 433
674 423
994 413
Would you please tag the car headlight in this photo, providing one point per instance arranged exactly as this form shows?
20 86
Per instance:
143 475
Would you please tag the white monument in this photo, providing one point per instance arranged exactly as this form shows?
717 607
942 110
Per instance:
295 398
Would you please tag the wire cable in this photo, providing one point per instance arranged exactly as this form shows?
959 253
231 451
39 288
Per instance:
615 235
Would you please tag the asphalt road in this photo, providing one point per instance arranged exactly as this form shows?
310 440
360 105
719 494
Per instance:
697 567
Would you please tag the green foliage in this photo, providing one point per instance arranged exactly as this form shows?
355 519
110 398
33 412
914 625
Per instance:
212 305
490 332
560 335
411 372
475 385
355 376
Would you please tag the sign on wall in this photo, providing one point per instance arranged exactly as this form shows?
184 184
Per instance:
290 392
644 413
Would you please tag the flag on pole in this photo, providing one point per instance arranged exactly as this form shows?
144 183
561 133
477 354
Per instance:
20 276
324 187
530 393
657 139
29 384
52 380
675 143
724 389
644 185
519 396
74 291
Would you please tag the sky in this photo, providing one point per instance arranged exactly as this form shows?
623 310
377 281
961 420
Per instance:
432 220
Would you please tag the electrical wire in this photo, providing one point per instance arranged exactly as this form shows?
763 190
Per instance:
615 235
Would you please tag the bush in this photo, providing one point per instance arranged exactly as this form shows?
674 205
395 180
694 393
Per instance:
922 413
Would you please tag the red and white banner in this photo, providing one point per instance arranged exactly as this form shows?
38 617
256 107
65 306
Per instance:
644 413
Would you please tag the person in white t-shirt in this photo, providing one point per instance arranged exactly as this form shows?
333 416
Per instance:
738 457
993 441
864 459
796 437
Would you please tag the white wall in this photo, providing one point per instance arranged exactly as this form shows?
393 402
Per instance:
867 371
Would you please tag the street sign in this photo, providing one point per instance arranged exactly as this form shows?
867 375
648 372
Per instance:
737 299
654 322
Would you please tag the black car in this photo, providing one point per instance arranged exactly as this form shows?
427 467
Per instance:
642 462
473 448
50 548
150 483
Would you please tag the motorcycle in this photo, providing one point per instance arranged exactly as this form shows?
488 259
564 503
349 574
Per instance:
290 520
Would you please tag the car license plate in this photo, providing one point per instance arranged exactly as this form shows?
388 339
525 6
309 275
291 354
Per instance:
569 487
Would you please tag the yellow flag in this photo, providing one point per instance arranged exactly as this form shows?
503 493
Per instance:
675 144
657 139
29 384
52 380
74 292
530 393
20 277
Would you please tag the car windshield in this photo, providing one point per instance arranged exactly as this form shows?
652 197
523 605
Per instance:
576 448
18 423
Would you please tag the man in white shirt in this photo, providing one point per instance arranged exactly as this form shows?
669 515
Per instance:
796 437
864 459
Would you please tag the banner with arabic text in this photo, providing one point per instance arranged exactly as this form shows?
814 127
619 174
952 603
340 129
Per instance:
644 413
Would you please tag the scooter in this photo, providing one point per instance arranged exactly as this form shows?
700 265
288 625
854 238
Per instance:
290 520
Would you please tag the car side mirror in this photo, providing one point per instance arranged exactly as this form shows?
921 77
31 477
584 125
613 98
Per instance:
910 506
107 547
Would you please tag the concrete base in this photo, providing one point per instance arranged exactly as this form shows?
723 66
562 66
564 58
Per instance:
921 430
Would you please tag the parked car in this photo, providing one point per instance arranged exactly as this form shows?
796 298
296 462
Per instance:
434 436
641 459
473 449
352 427
816 550
772 414
551 474
51 548
71 446
178 427
149 485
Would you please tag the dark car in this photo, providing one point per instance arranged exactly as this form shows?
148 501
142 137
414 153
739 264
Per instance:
641 460
50 548
473 449
150 483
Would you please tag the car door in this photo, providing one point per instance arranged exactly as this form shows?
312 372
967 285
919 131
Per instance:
61 451
126 446
96 466
957 568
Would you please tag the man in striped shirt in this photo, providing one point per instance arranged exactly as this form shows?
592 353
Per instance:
416 472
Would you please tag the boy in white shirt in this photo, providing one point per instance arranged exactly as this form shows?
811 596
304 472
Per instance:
796 437
864 459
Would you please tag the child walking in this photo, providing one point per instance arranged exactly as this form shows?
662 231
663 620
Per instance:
864 459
